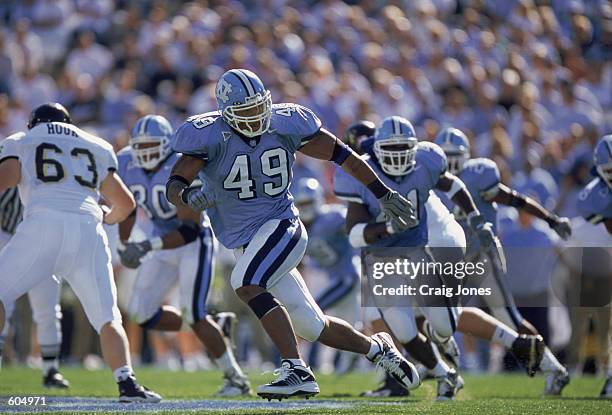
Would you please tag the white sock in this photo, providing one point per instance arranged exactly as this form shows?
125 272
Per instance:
504 336
48 364
227 363
297 362
375 348
123 373
550 363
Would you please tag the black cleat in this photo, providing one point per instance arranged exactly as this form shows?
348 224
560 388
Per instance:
291 380
131 391
55 380
390 388
529 350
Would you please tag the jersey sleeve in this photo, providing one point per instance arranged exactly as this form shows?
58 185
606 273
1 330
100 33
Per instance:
595 202
346 187
113 162
296 123
489 180
123 158
10 148
433 158
195 137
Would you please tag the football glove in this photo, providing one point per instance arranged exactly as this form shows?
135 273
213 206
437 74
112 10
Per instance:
561 226
197 199
132 252
398 210
483 229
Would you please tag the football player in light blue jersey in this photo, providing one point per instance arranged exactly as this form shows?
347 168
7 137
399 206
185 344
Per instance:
245 151
595 200
413 169
330 252
595 205
481 177
182 250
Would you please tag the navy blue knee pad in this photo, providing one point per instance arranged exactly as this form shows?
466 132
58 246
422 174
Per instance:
263 303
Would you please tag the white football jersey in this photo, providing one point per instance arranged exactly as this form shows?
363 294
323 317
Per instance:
62 167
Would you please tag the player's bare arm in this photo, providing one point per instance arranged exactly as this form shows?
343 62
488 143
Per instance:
361 232
510 197
10 173
183 173
118 196
325 146
456 190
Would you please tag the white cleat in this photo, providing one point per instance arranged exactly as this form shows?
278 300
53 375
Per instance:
396 365
449 385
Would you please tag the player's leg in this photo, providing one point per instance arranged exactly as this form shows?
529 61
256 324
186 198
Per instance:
502 306
90 274
402 323
311 324
196 270
528 349
5 331
156 276
277 247
46 313
26 260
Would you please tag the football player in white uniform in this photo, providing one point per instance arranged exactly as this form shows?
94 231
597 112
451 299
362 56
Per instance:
61 171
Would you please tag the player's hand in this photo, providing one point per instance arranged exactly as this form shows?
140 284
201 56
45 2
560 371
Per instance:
398 210
197 199
483 229
127 260
133 252
561 226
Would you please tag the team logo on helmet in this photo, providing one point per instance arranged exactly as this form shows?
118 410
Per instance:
224 88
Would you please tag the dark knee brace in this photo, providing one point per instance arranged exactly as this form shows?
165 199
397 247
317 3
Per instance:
263 303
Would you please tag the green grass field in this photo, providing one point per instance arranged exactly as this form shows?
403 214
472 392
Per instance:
505 394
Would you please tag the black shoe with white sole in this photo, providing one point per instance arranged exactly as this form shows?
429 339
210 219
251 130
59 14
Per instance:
529 350
54 380
390 388
131 391
291 380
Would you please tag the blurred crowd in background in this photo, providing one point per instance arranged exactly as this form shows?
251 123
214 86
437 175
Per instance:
530 82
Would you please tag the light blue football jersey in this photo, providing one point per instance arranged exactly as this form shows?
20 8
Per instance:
149 190
249 178
415 186
328 246
595 201
481 177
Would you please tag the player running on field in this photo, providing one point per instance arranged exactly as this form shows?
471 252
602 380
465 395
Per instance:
245 152
182 250
595 206
482 178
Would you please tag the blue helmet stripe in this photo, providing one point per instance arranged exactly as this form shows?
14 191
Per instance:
397 129
245 81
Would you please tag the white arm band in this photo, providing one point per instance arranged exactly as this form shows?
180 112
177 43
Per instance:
357 237
455 187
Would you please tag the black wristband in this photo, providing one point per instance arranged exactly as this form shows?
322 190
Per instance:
378 188
178 178
186 192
